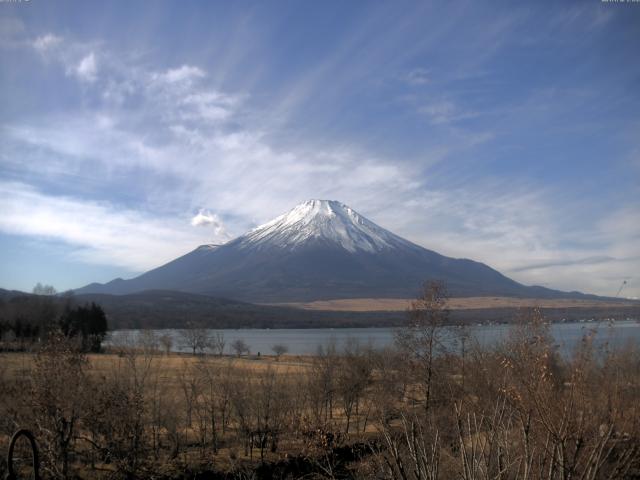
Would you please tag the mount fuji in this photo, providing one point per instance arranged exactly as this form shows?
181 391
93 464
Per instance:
320 250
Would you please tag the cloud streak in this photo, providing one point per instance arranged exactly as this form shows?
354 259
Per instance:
562 263
103 233
46 42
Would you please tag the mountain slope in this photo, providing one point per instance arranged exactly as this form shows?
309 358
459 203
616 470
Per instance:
319 250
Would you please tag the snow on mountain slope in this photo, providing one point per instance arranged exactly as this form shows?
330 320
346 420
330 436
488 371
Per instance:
324 221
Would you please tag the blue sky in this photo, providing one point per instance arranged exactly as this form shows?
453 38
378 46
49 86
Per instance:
506 132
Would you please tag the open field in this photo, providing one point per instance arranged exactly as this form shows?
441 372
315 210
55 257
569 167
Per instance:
462 303
18 363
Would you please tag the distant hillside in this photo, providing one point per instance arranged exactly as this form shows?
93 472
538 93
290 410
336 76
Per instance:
168 309
171 309
9 294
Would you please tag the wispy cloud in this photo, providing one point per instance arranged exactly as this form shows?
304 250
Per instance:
183 74
46 42
564 262
445 111
418 76
103 233
201 137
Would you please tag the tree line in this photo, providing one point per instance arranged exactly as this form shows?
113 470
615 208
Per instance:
26 320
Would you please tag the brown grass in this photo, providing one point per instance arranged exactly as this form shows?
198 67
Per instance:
16 364
459 303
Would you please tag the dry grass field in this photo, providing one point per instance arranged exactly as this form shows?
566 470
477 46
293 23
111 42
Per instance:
460 303
20 363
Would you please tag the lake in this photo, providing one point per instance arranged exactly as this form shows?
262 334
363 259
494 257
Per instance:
306 341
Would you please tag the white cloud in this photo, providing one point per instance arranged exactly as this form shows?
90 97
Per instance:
79 59
444 112
208 106
46 42
87 69
205 218
185 73
419 76
103 233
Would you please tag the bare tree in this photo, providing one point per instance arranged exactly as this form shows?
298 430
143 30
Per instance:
239 397
189 384
59 385
270 409
353 377
420 338
217 343
195 338
213 400
321 386
118 418
240 347
148 342
279 349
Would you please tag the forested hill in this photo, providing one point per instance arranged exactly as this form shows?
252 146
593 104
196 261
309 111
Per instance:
170 309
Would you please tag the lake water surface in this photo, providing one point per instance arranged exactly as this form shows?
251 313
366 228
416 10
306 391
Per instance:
306 341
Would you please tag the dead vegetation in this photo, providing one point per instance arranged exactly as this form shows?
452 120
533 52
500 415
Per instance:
517 410
456 303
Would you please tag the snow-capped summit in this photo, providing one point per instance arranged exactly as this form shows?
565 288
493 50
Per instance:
322 221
